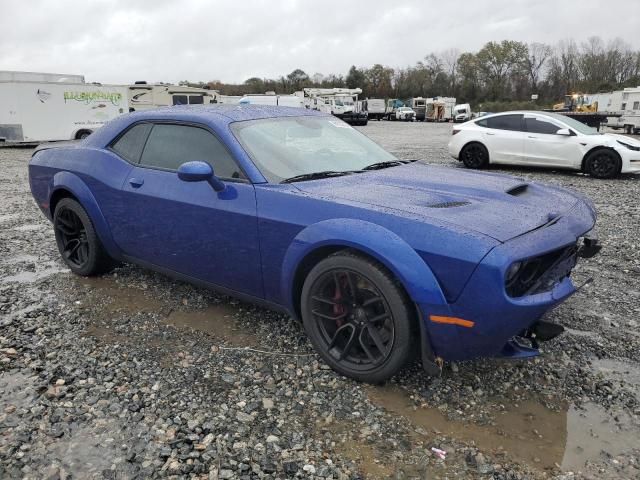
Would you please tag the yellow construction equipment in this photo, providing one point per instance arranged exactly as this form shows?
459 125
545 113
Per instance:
577 102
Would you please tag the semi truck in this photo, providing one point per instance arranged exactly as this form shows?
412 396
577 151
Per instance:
340 102
39 107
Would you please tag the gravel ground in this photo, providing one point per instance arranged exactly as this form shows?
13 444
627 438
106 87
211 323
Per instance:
134 375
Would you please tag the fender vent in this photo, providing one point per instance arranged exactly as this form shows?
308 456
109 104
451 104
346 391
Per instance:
448 204
518 189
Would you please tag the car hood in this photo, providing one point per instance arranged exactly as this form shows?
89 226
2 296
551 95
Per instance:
498 206
613 139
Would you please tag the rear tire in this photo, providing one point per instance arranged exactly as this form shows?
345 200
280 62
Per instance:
77 240
602 163
474 155
358 318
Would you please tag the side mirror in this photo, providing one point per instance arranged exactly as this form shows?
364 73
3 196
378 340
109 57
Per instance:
199 172
564 131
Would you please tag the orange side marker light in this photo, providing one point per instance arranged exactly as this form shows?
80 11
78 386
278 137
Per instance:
452 321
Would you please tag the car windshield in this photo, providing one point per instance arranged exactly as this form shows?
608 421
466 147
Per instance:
287 147
574 124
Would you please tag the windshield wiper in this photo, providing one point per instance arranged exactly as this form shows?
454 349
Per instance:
315 176
387 164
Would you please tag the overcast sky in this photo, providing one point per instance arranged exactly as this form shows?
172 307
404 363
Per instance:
120 41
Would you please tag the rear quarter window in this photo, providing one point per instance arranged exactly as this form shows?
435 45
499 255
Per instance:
129 146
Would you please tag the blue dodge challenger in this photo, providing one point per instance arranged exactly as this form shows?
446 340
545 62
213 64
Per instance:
381 259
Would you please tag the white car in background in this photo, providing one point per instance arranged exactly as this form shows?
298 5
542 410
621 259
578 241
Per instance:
407 114
543 139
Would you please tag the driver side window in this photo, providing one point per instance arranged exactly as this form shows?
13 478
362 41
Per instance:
169 146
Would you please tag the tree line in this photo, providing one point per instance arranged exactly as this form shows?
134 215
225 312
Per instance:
506 71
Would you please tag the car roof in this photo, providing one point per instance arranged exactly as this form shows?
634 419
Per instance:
523 112
225 113
218 116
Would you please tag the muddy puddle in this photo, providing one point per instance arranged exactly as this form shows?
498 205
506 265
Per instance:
528 432
218 320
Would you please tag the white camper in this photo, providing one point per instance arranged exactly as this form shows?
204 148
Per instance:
626 103
462 113
340 102
40 107
449 103
144 96
272 99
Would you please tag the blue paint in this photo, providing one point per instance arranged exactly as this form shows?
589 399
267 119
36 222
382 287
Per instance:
448 235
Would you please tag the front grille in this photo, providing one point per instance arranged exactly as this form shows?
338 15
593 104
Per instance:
541 274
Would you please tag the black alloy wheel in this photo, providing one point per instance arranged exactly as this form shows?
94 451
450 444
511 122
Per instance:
73 237
603 163
474 156
357 317
77 240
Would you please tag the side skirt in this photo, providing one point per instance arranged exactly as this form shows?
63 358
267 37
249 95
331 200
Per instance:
210 286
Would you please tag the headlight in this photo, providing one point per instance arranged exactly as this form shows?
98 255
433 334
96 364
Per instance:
630 147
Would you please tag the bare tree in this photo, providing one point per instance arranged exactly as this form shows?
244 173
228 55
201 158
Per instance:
535 62
450 61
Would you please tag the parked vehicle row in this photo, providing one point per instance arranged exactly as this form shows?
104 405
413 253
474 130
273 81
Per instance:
543 139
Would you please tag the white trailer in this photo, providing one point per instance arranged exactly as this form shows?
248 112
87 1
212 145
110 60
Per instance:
230 99
626 103
32 110
272 99
144 96
375 108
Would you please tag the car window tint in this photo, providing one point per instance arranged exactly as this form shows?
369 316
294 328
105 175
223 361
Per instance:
535 125
196 100
482 123
129 146
169 146
506 122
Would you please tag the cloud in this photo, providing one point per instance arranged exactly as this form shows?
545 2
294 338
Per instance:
120 41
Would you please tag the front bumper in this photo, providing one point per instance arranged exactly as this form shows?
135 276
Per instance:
630 160
487 317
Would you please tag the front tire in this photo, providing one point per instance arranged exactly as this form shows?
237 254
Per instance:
77 240
357 317
475 155
603 163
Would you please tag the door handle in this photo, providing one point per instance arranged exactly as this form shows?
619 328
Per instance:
529 136
489 133
136 182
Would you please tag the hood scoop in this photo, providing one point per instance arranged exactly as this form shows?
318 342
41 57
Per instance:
518 190
448 204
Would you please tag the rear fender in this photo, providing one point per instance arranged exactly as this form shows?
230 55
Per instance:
73 183
377 242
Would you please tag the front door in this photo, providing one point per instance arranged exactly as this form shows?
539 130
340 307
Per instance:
504 138
544 147
187 227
